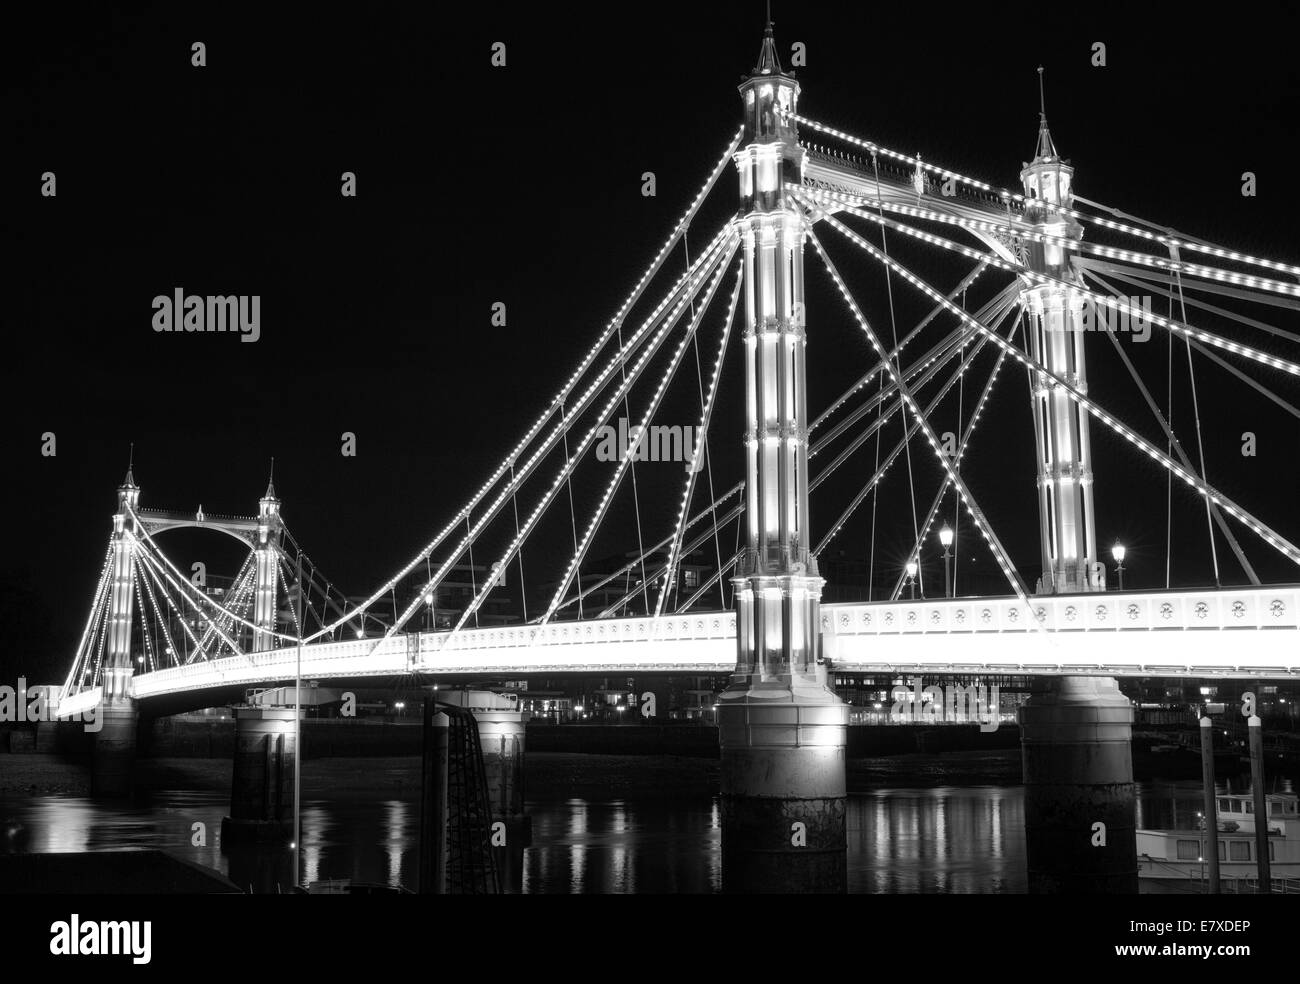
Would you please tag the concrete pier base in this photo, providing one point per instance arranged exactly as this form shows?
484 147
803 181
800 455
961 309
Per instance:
113 752
1080 814
501 741
261 795
783 795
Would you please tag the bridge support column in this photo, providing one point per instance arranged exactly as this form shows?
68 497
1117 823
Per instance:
783 730
501 740
783 796
113 755
261 795
113 749
1080 814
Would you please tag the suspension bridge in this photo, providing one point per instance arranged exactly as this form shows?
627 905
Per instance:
1041 265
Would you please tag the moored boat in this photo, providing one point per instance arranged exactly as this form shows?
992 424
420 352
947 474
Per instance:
1182 854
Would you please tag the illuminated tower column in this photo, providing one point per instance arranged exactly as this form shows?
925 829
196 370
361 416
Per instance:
1076 735
267 551
1057 325
113 754
782 730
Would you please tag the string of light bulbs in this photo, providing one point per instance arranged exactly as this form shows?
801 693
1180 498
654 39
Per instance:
1015 196
1177 327
701 430
629 453
1270 536
976 513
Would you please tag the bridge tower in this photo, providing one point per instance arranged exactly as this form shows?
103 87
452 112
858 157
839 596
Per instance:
267 559
1076 737
114 745
1056 320
782 730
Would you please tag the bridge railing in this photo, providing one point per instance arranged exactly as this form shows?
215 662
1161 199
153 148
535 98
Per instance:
1239 632
665 628
352 658
701 642
1110 611
1235 631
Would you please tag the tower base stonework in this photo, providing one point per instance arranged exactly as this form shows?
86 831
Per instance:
1080 811
113 749
261 793
501 742
783 794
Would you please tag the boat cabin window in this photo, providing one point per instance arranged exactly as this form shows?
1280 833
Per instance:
1189 850
1223 854
1238 850
1250 807
1225 805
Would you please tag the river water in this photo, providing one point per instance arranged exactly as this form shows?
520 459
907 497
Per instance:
935 838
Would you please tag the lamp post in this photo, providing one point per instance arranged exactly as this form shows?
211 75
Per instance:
1118 553
945 538
297 739
1200 840
911 577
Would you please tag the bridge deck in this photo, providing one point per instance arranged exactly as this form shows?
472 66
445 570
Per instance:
1249 633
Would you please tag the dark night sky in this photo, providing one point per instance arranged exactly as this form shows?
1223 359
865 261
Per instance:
523 185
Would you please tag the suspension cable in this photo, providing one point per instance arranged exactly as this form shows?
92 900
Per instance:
1196 415
1016 196
893 328
1175 445
1261 529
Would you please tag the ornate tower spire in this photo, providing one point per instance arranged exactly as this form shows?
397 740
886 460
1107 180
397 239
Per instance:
768 62
129 481
128 493
1046 150
1065 501
266 550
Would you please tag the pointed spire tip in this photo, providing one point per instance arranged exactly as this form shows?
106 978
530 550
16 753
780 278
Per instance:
768 62
1046 147
129 481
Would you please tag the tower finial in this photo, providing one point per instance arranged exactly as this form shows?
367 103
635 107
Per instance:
130 467
270 482
1046 148
768 62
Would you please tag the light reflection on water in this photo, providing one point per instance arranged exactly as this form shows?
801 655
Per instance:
935 840
945 840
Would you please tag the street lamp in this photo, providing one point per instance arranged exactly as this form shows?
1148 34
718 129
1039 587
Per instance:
911 577
945 538
1118 553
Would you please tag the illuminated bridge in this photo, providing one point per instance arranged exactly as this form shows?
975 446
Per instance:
1042 269
1250 633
